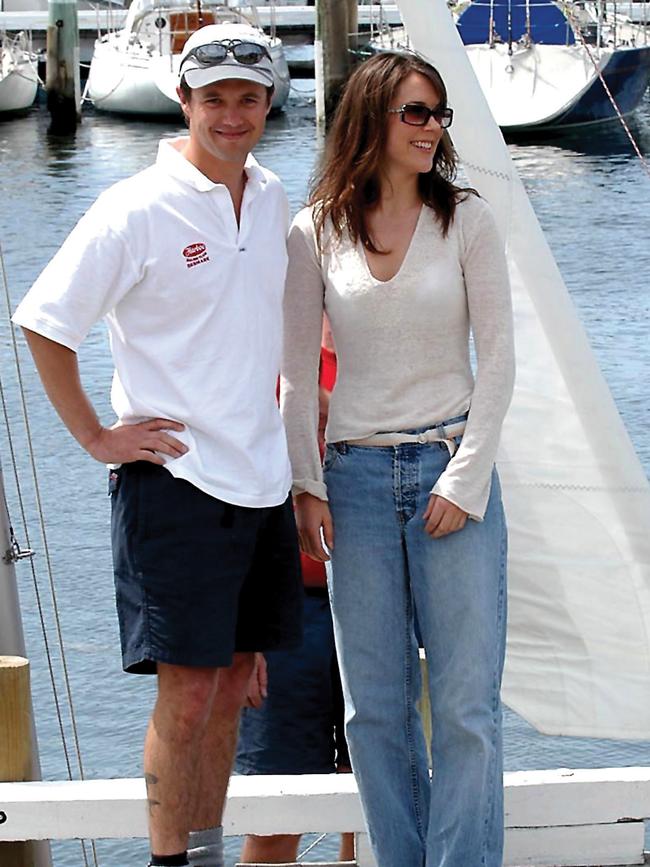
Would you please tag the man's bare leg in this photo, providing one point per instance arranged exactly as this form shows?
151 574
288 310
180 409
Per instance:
216 756
283 848
277 849
172 750
346 852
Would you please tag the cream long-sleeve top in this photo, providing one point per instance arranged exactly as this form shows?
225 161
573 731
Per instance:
403 345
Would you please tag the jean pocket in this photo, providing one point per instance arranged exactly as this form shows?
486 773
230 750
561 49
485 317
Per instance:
331 457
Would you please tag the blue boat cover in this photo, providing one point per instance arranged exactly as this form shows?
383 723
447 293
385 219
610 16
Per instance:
548 25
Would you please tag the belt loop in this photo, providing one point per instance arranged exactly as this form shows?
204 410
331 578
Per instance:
451 445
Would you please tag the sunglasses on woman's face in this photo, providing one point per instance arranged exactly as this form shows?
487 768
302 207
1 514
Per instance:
214 53
415 114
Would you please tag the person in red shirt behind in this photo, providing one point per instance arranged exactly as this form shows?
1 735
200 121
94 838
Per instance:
299 727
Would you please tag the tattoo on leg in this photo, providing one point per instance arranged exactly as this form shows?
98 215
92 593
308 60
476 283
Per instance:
150 781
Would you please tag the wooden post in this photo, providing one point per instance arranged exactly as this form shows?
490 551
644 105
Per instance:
62 81
353 24
15 743
332 62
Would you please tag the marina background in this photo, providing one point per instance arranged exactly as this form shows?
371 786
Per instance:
591 197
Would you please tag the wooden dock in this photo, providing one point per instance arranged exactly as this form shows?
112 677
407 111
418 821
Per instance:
288 19
294 24
558 818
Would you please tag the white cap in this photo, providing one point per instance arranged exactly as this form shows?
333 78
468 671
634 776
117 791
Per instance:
197 76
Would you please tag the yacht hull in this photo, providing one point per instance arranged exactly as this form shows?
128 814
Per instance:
126 80
548 86
18 82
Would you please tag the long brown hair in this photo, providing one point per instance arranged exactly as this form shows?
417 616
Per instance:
347 182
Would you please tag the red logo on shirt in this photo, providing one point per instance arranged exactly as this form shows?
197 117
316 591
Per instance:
195 254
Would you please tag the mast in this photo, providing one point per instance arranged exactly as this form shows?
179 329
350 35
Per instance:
12 643
599 29
509 28
12 639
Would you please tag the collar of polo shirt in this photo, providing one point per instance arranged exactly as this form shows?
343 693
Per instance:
173 161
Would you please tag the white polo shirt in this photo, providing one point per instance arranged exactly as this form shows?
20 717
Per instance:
193 305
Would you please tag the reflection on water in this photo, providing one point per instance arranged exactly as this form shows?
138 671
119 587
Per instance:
591 196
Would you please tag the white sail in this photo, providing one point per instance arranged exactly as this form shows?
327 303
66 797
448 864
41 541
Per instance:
577 498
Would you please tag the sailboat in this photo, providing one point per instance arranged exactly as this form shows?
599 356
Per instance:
134 70
576 496
543 67
538 70
18 74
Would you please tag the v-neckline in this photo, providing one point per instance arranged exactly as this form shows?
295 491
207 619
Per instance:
404 259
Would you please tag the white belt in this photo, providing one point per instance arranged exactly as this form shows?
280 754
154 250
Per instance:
441 434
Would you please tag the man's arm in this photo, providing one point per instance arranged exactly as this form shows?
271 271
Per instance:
59 372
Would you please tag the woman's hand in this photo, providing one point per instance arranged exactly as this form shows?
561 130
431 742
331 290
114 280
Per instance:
443 517
313 514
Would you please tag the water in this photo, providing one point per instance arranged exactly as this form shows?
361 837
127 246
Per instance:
591 196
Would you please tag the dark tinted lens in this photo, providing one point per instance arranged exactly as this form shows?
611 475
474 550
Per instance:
443 116
248 53
416 115
214 52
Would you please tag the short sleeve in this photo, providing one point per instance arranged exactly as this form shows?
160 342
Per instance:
92 271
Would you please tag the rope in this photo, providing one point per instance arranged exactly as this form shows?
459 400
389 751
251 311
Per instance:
576 29
53 596
311 846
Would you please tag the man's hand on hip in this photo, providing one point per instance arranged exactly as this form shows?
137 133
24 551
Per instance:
125 443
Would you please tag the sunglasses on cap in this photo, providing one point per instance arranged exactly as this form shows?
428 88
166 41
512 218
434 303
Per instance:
214 53
415 114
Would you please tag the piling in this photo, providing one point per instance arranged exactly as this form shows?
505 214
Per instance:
15 744
335 21
18 750
63 83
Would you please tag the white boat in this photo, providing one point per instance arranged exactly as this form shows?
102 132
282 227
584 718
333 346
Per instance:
18 74
541 69
134 70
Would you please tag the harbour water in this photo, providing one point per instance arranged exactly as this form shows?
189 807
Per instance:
592 198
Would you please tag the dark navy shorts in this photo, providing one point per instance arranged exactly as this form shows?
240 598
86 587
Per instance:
197 579
299 728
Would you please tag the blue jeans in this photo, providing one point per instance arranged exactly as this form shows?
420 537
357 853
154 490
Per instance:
384 568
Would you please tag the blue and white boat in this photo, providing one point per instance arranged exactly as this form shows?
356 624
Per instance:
540 64
541 68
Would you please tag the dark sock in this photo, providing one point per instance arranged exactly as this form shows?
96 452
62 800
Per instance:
179 860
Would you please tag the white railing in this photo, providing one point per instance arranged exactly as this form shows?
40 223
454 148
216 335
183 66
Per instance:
560 817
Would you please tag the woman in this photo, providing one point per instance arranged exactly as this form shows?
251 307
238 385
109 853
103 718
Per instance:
405 264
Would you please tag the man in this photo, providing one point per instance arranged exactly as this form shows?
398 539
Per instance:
186 260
